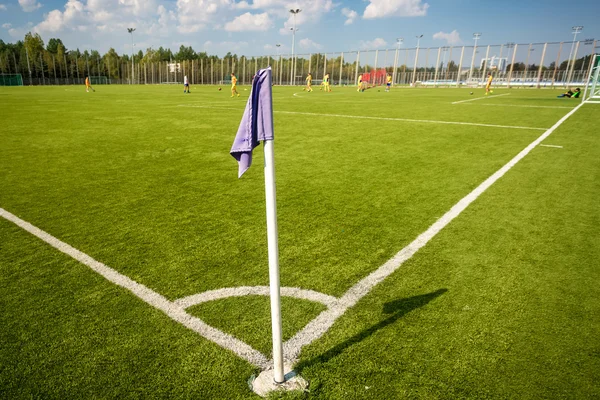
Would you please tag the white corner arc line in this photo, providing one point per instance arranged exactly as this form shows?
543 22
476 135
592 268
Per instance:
480 98
427 121
211 295
551 145
151 297
321 324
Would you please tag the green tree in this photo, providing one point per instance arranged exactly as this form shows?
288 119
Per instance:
53 45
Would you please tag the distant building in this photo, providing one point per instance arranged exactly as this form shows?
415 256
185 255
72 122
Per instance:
495 63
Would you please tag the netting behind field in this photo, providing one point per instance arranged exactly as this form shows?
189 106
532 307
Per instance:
511 64
11 80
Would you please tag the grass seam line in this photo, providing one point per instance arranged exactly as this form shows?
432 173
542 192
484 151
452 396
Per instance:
517 105
480 98
427 121
321 324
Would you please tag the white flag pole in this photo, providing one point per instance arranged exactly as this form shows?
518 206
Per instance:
273 247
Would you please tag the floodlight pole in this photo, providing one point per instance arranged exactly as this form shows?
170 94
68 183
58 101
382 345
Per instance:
131 30
576 30
399 42
293 66
416 58
476 36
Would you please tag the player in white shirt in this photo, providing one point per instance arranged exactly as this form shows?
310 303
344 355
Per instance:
186 85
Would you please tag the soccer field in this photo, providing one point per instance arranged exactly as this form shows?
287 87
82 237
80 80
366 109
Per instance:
498 297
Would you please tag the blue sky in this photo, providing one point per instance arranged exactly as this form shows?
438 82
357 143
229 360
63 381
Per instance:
253 27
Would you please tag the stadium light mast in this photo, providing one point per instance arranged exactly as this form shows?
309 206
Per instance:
399 42
476 37
576 30
293 77
416 58
131 30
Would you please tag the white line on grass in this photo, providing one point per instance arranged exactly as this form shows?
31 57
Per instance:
175 311
426 121
551 145
480 98
314 329
517 105
318 326
224 293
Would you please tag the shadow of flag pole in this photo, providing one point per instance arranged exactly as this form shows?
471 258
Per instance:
257 126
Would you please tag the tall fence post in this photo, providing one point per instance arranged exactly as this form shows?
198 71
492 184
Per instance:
437 65
487 54
462 53
570 73
341 67
357 66
512 66
539 77
556 64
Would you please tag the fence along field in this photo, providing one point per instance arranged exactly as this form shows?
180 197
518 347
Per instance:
512 64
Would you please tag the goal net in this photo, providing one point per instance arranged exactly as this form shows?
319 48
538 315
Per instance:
592 88
11 80
99 80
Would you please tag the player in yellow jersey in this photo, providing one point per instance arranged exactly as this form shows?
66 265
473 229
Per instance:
488 84
234 86
359 83
308 87
388 83
326 83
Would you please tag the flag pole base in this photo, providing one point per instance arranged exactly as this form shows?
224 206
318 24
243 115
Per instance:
264 383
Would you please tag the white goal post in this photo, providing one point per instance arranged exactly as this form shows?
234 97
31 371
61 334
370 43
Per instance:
591 92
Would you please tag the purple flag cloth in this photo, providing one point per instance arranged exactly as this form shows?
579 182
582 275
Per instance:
257 121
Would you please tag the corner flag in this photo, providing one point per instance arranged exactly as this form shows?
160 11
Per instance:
257 122
256 126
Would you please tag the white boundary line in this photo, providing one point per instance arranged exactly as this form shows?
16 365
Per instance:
480 98
173 310
318 326
427 121
551 145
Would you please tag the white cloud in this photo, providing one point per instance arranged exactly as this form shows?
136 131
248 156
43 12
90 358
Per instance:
29 5
307 44
372 44
249 22
3 7
395 8
450 38
7 26
312 11
224 47
194 15
56 20
350 14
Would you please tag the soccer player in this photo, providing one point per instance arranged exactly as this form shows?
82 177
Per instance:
571 94
389 83
186 84
326 82
488 84
234 86
308 87
88 85
359 83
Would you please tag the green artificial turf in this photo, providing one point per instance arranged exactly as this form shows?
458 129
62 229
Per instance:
501 304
